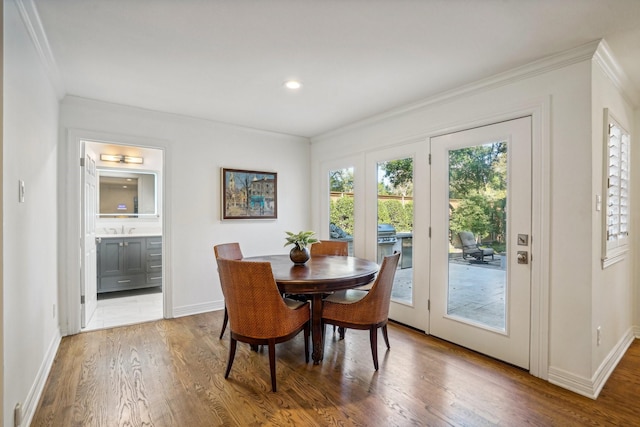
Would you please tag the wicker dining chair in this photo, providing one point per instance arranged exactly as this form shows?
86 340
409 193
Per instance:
258 314
330 247
357 309
227 251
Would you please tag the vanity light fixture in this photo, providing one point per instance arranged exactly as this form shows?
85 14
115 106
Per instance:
292 84
121 158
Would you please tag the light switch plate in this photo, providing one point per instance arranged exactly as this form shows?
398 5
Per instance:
21 191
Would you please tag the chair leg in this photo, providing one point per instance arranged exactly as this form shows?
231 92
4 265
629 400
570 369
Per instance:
306 342
272 363
385 336
373 337
341 331
232 354
224 322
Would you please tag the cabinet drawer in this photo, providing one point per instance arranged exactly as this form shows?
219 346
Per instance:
154 243
154 256
154 278
121 282
154 266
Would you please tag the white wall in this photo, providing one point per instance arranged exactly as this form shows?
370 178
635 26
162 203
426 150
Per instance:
195 150
31 334
612 287
565 140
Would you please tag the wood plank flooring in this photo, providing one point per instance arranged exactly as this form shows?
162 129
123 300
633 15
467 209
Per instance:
171 373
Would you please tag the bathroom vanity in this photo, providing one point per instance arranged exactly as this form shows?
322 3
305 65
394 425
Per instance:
128 262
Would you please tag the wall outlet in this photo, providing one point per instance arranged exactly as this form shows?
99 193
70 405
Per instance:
598 335
54 311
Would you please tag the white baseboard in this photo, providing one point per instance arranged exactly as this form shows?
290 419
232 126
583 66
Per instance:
591 387
33 398
188 310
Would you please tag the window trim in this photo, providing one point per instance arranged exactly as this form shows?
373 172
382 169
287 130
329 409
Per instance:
616 182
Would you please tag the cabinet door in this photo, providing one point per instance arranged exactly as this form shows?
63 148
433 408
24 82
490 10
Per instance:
111 261
134 255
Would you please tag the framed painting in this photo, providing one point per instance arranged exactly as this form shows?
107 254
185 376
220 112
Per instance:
248 194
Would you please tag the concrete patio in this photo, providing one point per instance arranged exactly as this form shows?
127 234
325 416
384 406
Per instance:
476 291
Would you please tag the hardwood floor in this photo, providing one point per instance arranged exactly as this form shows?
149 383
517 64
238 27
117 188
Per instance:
170 373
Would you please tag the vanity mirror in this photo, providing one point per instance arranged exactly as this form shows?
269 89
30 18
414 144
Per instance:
124 194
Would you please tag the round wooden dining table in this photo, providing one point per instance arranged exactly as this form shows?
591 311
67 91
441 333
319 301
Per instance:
320 275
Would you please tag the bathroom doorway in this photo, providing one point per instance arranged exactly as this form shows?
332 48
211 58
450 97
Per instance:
122 235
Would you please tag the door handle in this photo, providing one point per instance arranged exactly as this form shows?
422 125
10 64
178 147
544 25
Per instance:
523 257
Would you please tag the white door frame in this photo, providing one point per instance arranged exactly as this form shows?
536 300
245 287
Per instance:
540 111
70 209
512 343
88 278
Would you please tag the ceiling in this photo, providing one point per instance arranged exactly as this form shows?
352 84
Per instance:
226 60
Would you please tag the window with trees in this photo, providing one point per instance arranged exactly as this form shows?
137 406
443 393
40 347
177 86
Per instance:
478 193
341 206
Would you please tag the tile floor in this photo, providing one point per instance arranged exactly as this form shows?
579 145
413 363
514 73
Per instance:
126 308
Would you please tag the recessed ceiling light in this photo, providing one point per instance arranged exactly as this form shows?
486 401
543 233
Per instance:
292 84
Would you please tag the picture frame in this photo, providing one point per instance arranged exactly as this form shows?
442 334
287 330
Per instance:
249 194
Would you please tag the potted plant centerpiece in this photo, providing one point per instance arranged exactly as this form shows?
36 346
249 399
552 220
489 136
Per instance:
300 253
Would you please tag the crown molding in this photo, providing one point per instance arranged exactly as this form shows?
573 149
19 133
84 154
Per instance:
78 101
541 66
33 24
606 60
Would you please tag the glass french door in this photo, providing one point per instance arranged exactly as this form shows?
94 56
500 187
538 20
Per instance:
395 222
397 185
480 275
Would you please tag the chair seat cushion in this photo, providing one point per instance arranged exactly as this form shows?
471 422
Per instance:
366 287
294 304
346 297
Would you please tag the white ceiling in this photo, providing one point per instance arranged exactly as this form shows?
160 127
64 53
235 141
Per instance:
226 60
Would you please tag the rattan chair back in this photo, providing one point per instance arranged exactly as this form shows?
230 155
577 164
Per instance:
257 313
330 247
256 308
370 312
373 308
228 251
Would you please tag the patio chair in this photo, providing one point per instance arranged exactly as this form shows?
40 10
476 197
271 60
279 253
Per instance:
471 248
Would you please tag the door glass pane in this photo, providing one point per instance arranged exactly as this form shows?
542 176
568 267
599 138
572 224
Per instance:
395 222
341 206
477 227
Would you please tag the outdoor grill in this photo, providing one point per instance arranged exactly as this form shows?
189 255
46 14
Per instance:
386 234
386 239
